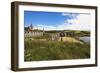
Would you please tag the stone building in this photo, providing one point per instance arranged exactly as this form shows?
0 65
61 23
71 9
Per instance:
66 33
31 32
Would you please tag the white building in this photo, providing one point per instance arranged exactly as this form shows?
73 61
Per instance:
31 32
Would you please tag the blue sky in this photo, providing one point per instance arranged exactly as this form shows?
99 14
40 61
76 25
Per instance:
56 20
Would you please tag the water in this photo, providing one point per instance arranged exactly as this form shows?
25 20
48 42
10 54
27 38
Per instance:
85 39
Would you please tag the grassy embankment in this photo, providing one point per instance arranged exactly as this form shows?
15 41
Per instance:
38 50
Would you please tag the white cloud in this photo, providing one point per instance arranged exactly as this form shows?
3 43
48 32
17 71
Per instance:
65 14
26 25
82 22
77 22
46 27
71 15
39 25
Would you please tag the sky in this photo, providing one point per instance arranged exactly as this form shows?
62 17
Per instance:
57 20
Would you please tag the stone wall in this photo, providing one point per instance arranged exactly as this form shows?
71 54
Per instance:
33 34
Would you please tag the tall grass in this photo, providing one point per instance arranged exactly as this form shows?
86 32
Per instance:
36 50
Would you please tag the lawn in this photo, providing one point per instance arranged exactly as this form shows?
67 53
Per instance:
39 50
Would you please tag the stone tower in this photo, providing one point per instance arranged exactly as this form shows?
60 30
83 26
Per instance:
31 27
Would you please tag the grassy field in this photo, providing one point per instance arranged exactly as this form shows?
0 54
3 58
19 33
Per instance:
39 50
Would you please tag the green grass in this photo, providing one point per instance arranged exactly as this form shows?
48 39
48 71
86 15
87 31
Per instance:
37 50
45 36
